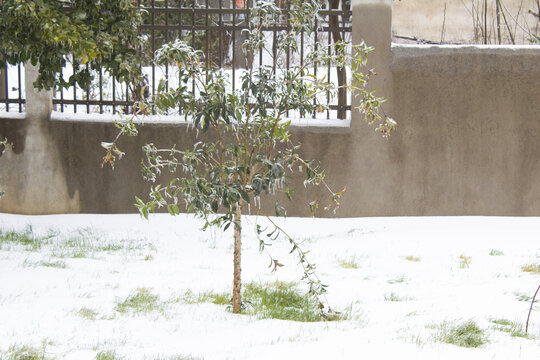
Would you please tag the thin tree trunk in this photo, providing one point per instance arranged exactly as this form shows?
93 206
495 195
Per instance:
237 282
532 304
498 10
485 22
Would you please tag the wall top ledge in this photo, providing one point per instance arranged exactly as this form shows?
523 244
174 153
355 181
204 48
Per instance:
12 115
411 50
369 2
155 120
311 125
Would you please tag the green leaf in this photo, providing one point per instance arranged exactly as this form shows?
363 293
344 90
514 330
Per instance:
244 195
173 209
280 210
214 205
144 211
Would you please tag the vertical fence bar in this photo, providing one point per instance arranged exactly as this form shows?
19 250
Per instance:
101 91
274 48
180 36
220 24
233 43
260 51
288 21
62 93
329 73
206 36
6 86
19 87
3 85
88 88
74 94
113 96
166 39
153 39
193 36
315 46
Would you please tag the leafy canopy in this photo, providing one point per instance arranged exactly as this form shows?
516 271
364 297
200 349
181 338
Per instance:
91 34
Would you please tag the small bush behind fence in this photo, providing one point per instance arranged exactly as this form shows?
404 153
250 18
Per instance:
216 28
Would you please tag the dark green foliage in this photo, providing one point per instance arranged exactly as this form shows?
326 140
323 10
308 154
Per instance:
89 34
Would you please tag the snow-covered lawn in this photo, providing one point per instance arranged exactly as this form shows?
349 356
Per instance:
399 279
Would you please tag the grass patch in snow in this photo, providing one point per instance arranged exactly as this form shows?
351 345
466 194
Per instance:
148 257
27 239
412 258
86 244
531 268
141 300
464 261
175 357
280 300
82 244
398 280
87 313
395 297
496 252
526 297
515 329
205 297
466 334
24 352
503 322
348 263
108 355
52 264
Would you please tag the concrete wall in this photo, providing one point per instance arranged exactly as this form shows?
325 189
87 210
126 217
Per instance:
466 142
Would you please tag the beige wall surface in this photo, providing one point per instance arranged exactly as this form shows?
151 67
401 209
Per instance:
467 141
461 21
469 126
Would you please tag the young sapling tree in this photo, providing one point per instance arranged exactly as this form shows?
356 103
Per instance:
250 153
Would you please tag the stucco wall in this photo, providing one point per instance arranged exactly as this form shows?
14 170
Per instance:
470 121
466 143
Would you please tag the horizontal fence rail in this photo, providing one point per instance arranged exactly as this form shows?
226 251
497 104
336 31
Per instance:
216 28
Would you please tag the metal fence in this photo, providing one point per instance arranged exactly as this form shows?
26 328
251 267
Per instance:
212 26
12 89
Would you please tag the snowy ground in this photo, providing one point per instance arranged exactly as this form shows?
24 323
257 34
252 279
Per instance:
171 256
